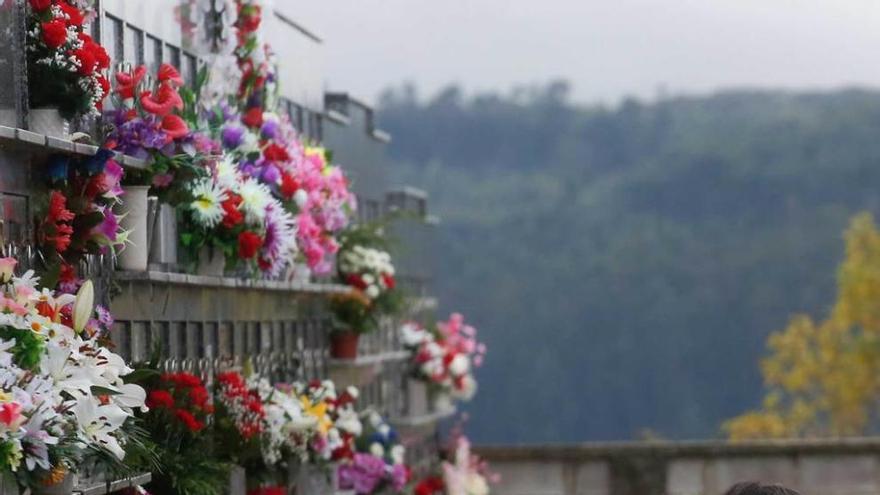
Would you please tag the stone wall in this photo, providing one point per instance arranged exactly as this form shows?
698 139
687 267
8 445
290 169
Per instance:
827 467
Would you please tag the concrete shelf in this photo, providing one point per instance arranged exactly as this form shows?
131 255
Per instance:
55 145
185 279
106 487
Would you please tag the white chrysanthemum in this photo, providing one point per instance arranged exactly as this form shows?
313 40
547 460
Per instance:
226 173
255 197
207 203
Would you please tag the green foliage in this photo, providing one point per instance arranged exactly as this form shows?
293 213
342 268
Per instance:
634 259
28 348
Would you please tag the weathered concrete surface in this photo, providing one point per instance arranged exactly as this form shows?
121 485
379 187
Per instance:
815 467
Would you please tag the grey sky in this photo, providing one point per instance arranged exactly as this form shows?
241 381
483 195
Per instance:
607 48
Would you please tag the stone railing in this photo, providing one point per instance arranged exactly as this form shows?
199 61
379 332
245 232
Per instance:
815 467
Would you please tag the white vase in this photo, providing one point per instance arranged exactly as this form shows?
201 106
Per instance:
417 397
48 121
211 262
315 480
133 212
442 402
237 481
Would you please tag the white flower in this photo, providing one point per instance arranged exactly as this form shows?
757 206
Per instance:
398 452
84 306
348 421
226 173
460 365
98 423
207 203
377 449
255 197
372 292
301 197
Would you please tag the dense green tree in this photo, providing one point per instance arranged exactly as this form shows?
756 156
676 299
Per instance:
627 264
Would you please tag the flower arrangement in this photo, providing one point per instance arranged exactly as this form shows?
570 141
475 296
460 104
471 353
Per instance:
365 267
466 473
336 423
148 123
63 396
79 218
180 413
378 465
238 217
65 65
445 356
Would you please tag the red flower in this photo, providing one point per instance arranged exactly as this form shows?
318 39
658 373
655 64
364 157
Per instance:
96 51
165 101
248 244
75 16
57 225
289 186
87 60
232 216
40 5
174 127
430 486
356 281
127 83
54 33
67 274
158 399
199 397
105 85
389 281
190 421
167 73
253 117
275 153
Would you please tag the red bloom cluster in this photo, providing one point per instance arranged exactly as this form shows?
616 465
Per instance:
241 403
430 486
249 244
185 397
57 227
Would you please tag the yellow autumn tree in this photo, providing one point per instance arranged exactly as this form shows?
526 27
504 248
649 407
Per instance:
823 378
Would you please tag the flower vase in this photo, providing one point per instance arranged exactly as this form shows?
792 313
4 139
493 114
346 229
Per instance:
237 481
418 403
133 218
211 262
8 486
48 122
314 480
442 402
64 487
344 345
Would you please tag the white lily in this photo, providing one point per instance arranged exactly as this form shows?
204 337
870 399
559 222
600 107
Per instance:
84 306
97 423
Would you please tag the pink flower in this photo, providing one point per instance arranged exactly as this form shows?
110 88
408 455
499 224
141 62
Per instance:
7 268
10 415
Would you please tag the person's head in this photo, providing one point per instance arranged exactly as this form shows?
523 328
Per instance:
752 488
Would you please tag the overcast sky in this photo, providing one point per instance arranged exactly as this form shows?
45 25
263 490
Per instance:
608 49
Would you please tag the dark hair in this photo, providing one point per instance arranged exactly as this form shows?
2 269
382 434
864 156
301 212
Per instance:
752 488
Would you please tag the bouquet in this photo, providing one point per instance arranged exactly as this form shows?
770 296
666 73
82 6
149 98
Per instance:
445 356
63 397
65 65
79 218
378 465
178 421
336 423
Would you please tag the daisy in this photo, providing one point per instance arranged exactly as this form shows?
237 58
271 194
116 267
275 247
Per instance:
255 198
207 206
279 247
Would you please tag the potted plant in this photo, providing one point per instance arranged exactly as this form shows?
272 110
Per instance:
367 271
378 464
66 67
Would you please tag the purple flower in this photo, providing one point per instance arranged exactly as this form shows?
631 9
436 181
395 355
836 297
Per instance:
364 473
271 174
104 316
137 136
270 129
398 477
232 135
106 231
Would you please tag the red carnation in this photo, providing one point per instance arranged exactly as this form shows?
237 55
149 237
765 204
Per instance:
174 127
253 117
389 281
75 17
232 216
54 33
430 486
356 281
167 73
248 244
289 186
160 399
190 421
275 153
40 5
87 60
105 85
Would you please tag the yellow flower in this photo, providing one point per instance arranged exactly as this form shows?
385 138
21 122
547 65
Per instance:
317 411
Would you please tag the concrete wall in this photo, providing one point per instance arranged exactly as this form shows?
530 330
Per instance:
830 467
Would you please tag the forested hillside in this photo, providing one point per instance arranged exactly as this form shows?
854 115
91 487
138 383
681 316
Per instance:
633 259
